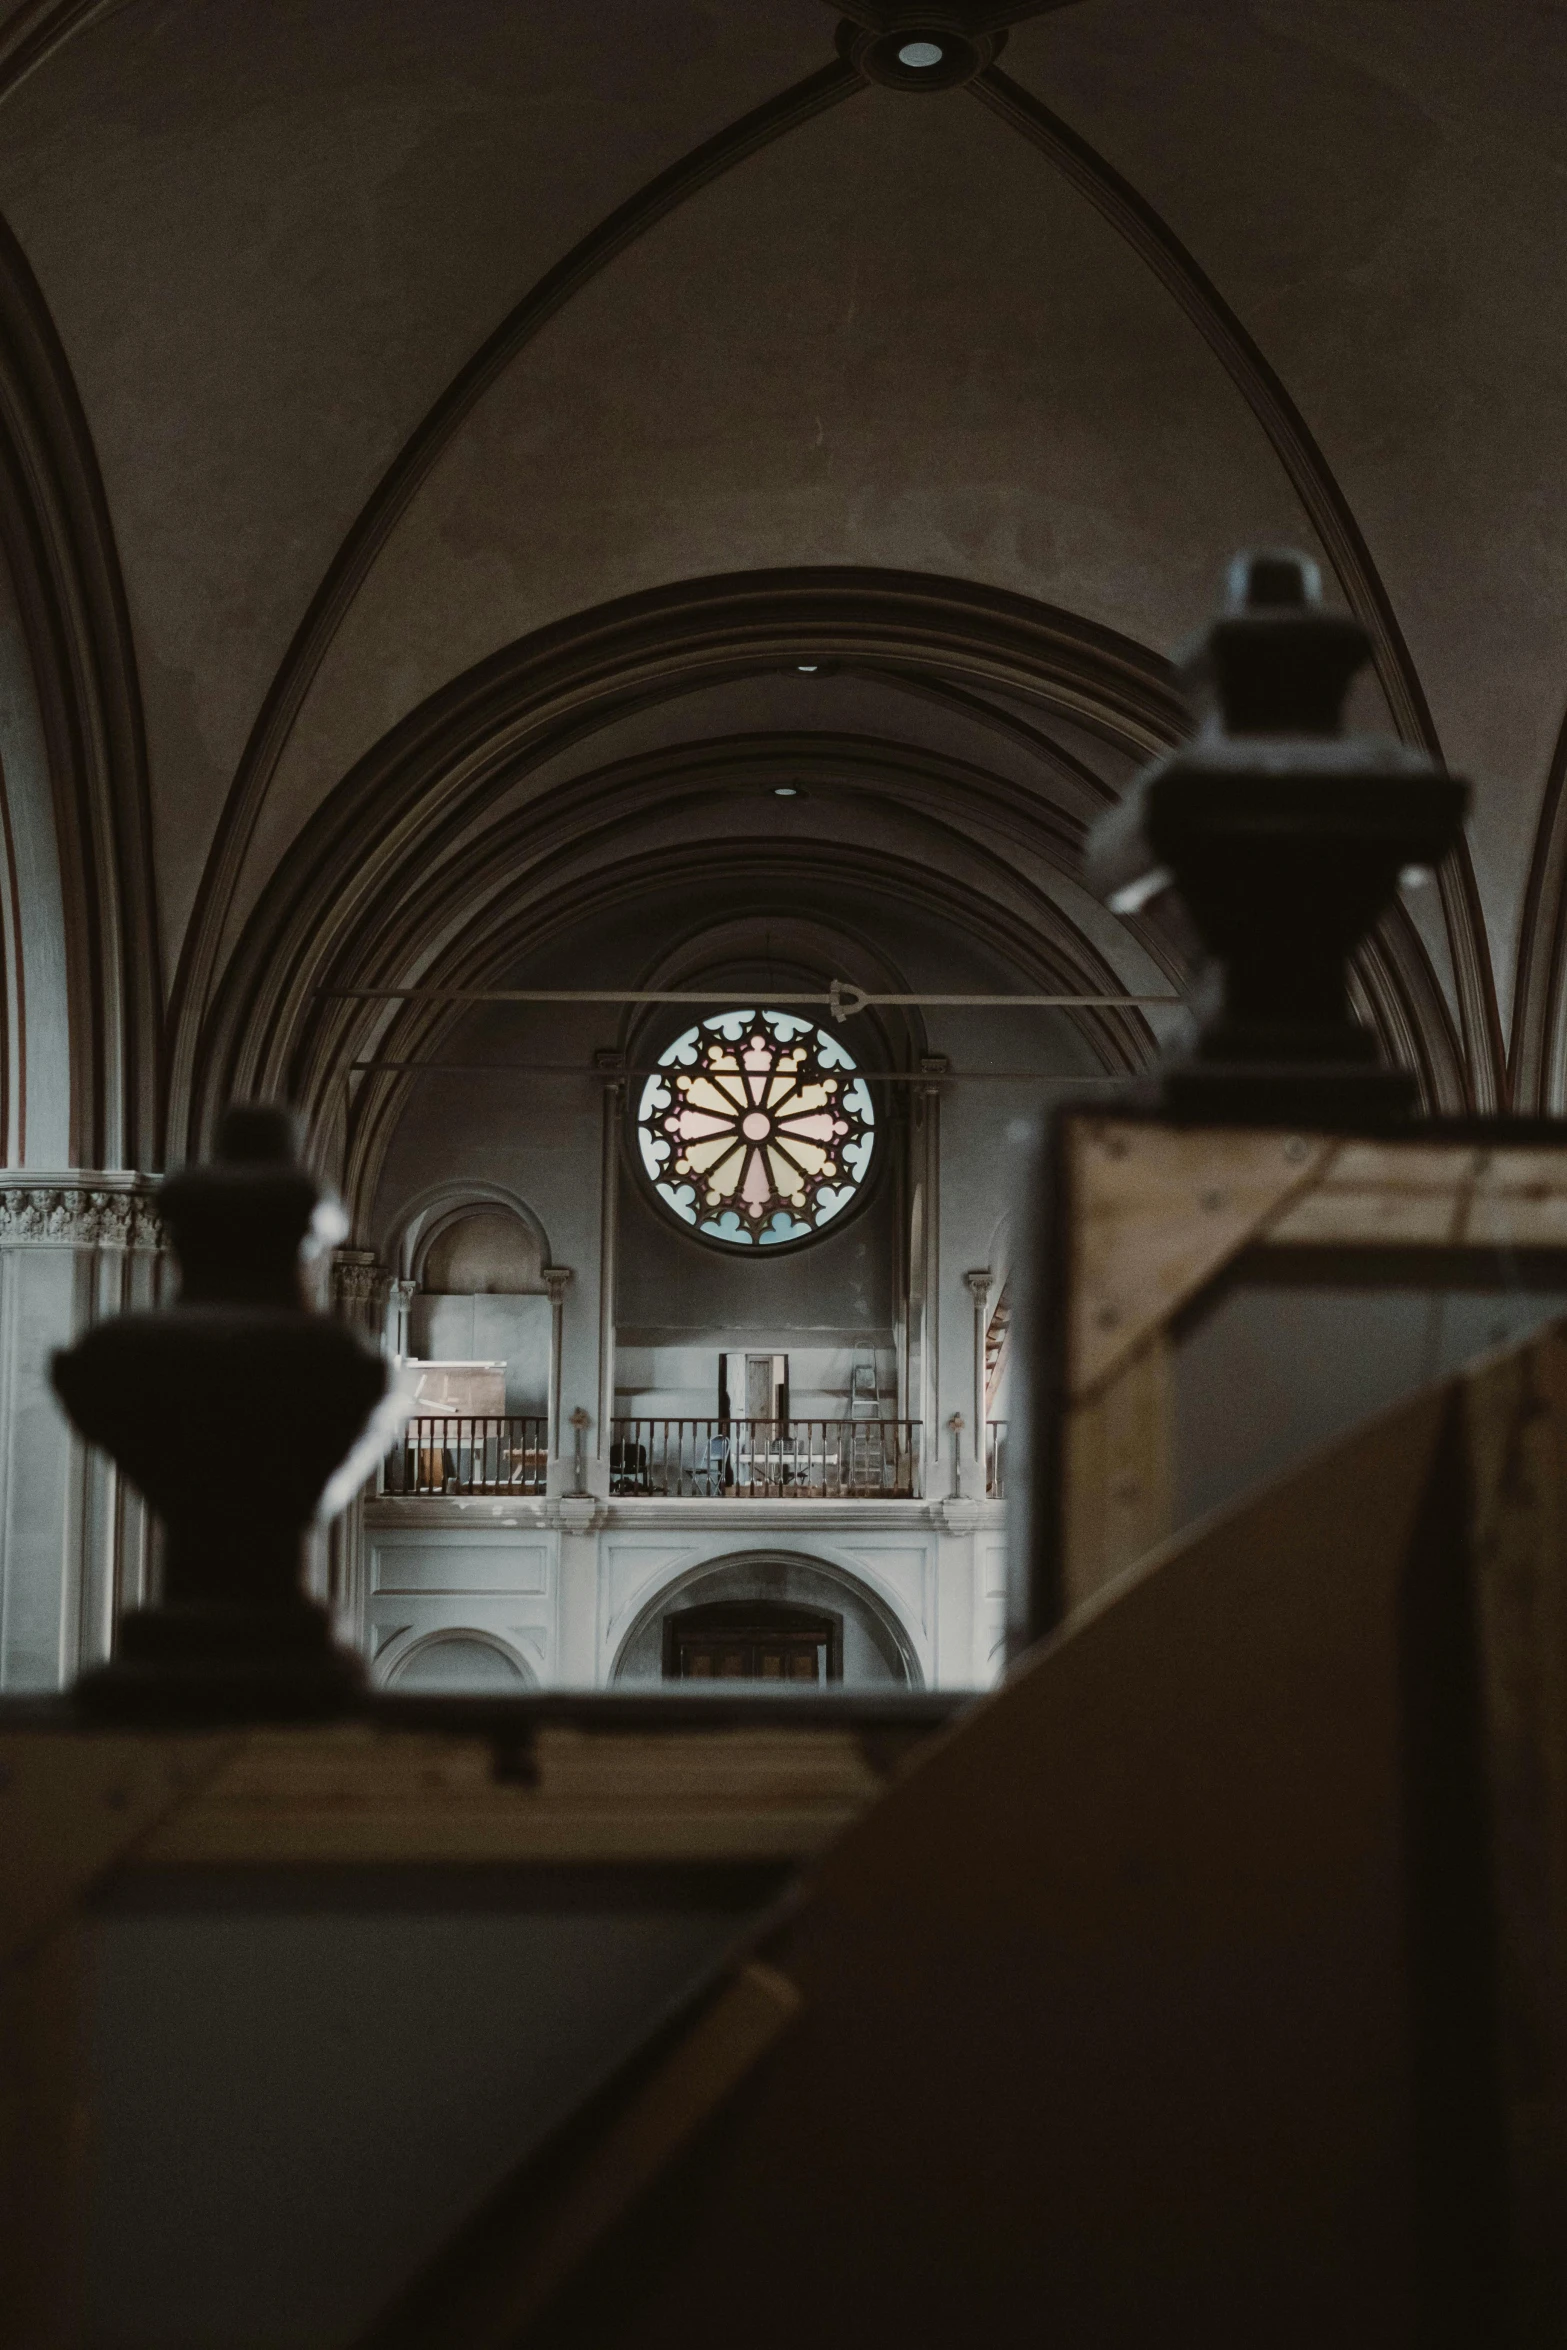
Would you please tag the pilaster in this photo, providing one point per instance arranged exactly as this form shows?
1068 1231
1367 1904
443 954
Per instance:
74 1247
361 1296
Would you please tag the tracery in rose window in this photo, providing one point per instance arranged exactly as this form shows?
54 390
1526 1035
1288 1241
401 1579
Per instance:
756 1128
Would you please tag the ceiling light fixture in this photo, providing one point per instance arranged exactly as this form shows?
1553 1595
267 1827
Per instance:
917 56
807 668
786 791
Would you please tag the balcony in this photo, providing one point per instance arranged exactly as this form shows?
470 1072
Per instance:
766 1460
464 1453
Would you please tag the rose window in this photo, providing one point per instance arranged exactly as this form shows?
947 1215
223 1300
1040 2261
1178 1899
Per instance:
756 1128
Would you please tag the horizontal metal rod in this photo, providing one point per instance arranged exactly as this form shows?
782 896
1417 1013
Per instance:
842 999
585 1069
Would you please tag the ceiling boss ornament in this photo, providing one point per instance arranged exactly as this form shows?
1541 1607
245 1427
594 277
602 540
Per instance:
756 1129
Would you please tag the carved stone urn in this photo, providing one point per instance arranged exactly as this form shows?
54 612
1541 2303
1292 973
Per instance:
1286 839
229 1410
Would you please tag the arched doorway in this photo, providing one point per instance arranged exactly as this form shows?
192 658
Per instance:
769 1604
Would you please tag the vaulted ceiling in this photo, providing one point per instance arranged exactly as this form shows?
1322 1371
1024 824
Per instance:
408 338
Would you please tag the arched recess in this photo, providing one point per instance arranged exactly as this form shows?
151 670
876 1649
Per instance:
792 1578
396 883
85 777
434 774
456 1660
513 1323
412 1230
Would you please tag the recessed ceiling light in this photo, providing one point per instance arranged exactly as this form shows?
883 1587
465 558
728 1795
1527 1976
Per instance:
807 668
786 791
921 55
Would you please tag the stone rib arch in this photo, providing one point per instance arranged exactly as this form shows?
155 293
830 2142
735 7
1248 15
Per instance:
398 486
1321 494
82 685
434 772
337 917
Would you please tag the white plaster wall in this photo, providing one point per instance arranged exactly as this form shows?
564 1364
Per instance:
464 1575
563 1598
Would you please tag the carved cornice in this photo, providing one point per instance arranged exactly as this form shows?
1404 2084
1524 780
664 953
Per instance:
78 1212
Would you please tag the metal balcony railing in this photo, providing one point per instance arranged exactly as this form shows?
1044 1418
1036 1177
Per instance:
766 1460
462 1452
996 1459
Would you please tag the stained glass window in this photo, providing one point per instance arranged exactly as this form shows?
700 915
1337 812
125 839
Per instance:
756 1128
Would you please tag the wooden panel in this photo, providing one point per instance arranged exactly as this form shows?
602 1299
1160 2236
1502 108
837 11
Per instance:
72 1806
1107 2034
1119 1471
1516 1424
42 2123
505 2269
355 1795
1155 1214
1156 1211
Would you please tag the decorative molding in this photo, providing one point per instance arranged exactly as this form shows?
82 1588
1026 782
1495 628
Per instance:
1318 489
393 494
78 1211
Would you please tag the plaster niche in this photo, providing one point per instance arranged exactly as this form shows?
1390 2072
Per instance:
482 1298
453 1663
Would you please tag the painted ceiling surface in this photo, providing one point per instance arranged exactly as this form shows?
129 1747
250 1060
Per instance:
395 349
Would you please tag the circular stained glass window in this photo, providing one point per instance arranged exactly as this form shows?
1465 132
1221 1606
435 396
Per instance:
756 1128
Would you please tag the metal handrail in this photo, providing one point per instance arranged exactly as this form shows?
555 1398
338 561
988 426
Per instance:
770 1460
468 1452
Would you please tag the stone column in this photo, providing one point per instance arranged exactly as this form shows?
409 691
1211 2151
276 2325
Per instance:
934 1066
360 1289
74 1247
399 1299
613 1069
979 1284
556 1280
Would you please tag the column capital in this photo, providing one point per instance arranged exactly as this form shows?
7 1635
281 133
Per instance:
556 1280
357 1279
981 1281
80 1207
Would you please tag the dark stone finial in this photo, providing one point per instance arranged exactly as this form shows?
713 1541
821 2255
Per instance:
1286 838
229 1410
